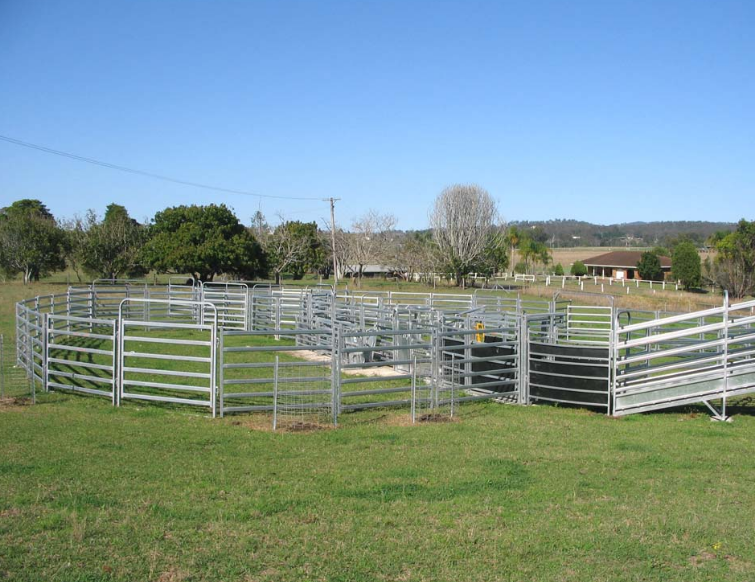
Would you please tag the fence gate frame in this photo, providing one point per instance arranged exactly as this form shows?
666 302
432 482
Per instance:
208 310
69 321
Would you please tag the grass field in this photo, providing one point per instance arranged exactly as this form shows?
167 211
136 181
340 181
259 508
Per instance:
506 493
90 492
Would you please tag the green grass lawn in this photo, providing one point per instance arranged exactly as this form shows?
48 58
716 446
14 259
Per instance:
90 492
148 492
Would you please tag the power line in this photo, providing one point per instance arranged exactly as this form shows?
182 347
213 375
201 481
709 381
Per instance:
45 149
333 237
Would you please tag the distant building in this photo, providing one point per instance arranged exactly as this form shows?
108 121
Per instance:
621 265
369 271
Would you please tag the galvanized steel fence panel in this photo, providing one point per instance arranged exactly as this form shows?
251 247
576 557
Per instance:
81 355
685 358
247 367
157 352
378 367
472 347
230 302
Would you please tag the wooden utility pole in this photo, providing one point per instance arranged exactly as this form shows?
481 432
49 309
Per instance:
333 238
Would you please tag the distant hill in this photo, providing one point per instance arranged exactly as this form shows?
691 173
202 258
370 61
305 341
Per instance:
578 233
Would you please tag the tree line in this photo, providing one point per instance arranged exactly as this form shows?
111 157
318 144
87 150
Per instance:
207 241
466 236
579 233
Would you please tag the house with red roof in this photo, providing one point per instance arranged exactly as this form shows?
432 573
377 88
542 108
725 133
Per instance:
621 265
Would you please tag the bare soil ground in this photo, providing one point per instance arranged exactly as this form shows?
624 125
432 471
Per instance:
372 371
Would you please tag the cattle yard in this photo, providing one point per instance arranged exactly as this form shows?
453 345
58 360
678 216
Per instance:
309 355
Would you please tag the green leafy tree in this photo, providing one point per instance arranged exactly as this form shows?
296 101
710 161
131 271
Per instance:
76 232
533 252
734 268
578 269
662 251
558 270
31 242
714 239
685 265
496 256
513 237
107 248
204 241
649 267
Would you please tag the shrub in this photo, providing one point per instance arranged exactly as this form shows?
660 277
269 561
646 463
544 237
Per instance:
649 267
558 270
685 265
578 269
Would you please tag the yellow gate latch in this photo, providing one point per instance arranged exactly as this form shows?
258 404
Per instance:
479 326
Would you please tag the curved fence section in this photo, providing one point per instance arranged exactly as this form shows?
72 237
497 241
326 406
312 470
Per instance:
231 348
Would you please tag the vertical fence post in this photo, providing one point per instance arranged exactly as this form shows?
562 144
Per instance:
46 351
455 381
523 360
221 372
615 364
2 367
30 358
121 345
277 307
275 394
335 371
214 367
114 376
611 340
435 359
414 391
726 354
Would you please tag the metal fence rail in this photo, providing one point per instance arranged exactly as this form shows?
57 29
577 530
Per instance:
159 352
485 362
30 348
588 324
230 302
377 368
247 366
184 289
215 346
81 355
682 359
14 380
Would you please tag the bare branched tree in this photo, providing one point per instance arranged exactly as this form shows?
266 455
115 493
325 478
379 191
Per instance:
416 255
368 242
289 245
462 220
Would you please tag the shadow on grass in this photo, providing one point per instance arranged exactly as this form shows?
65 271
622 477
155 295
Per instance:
503 475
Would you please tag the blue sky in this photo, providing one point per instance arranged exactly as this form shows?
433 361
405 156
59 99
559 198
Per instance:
607 111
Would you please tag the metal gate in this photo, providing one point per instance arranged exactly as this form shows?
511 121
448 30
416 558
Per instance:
81 355
230 304
184 289
564 370
153 363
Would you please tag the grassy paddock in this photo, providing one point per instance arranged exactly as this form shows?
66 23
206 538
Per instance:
145 492
506 493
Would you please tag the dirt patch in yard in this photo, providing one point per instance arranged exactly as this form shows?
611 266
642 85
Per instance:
372 371
13 403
